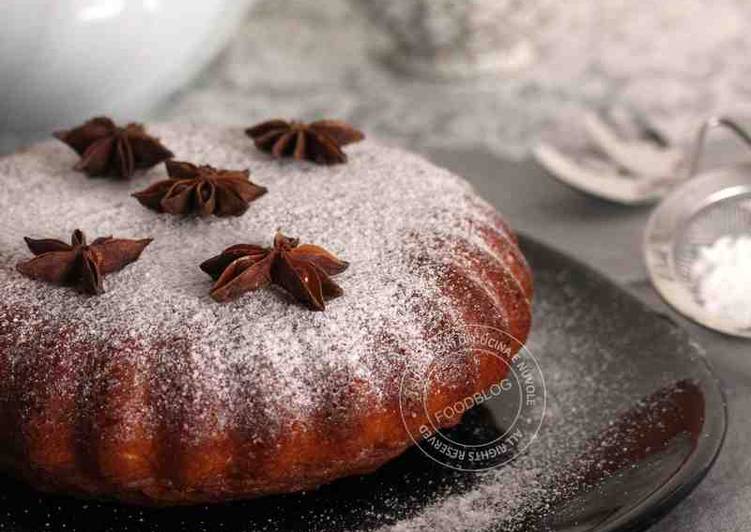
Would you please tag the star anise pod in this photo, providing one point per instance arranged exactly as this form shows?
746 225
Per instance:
320 142
109 150
302 270
202 189
80 264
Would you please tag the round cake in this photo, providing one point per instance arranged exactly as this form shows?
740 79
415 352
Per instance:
154 393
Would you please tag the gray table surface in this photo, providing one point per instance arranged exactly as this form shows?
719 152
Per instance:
608 237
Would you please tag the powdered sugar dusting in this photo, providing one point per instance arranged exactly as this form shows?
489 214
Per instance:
369 212
590 387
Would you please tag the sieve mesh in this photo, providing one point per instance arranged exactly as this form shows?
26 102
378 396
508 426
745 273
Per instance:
727 217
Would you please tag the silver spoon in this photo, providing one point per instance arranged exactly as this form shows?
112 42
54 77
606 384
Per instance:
628 160
629 167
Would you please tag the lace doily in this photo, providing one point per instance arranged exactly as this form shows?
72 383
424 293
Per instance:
676 62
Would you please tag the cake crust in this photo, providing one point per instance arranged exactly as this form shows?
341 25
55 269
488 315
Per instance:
155 394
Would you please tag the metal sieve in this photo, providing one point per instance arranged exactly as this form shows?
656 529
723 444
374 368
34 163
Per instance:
708 206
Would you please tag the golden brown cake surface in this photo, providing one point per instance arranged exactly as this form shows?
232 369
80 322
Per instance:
154 393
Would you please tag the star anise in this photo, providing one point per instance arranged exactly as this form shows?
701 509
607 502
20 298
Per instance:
320 142
202 189
80 264
109 150
302 270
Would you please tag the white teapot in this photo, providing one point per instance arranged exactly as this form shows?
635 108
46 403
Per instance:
62 61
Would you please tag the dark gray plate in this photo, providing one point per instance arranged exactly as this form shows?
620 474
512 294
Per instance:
635 419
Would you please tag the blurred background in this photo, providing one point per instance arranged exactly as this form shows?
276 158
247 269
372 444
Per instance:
475 85
499 73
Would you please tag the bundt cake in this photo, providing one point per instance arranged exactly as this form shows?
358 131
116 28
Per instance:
154 393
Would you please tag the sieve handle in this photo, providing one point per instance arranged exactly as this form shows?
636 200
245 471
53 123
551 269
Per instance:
701 137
